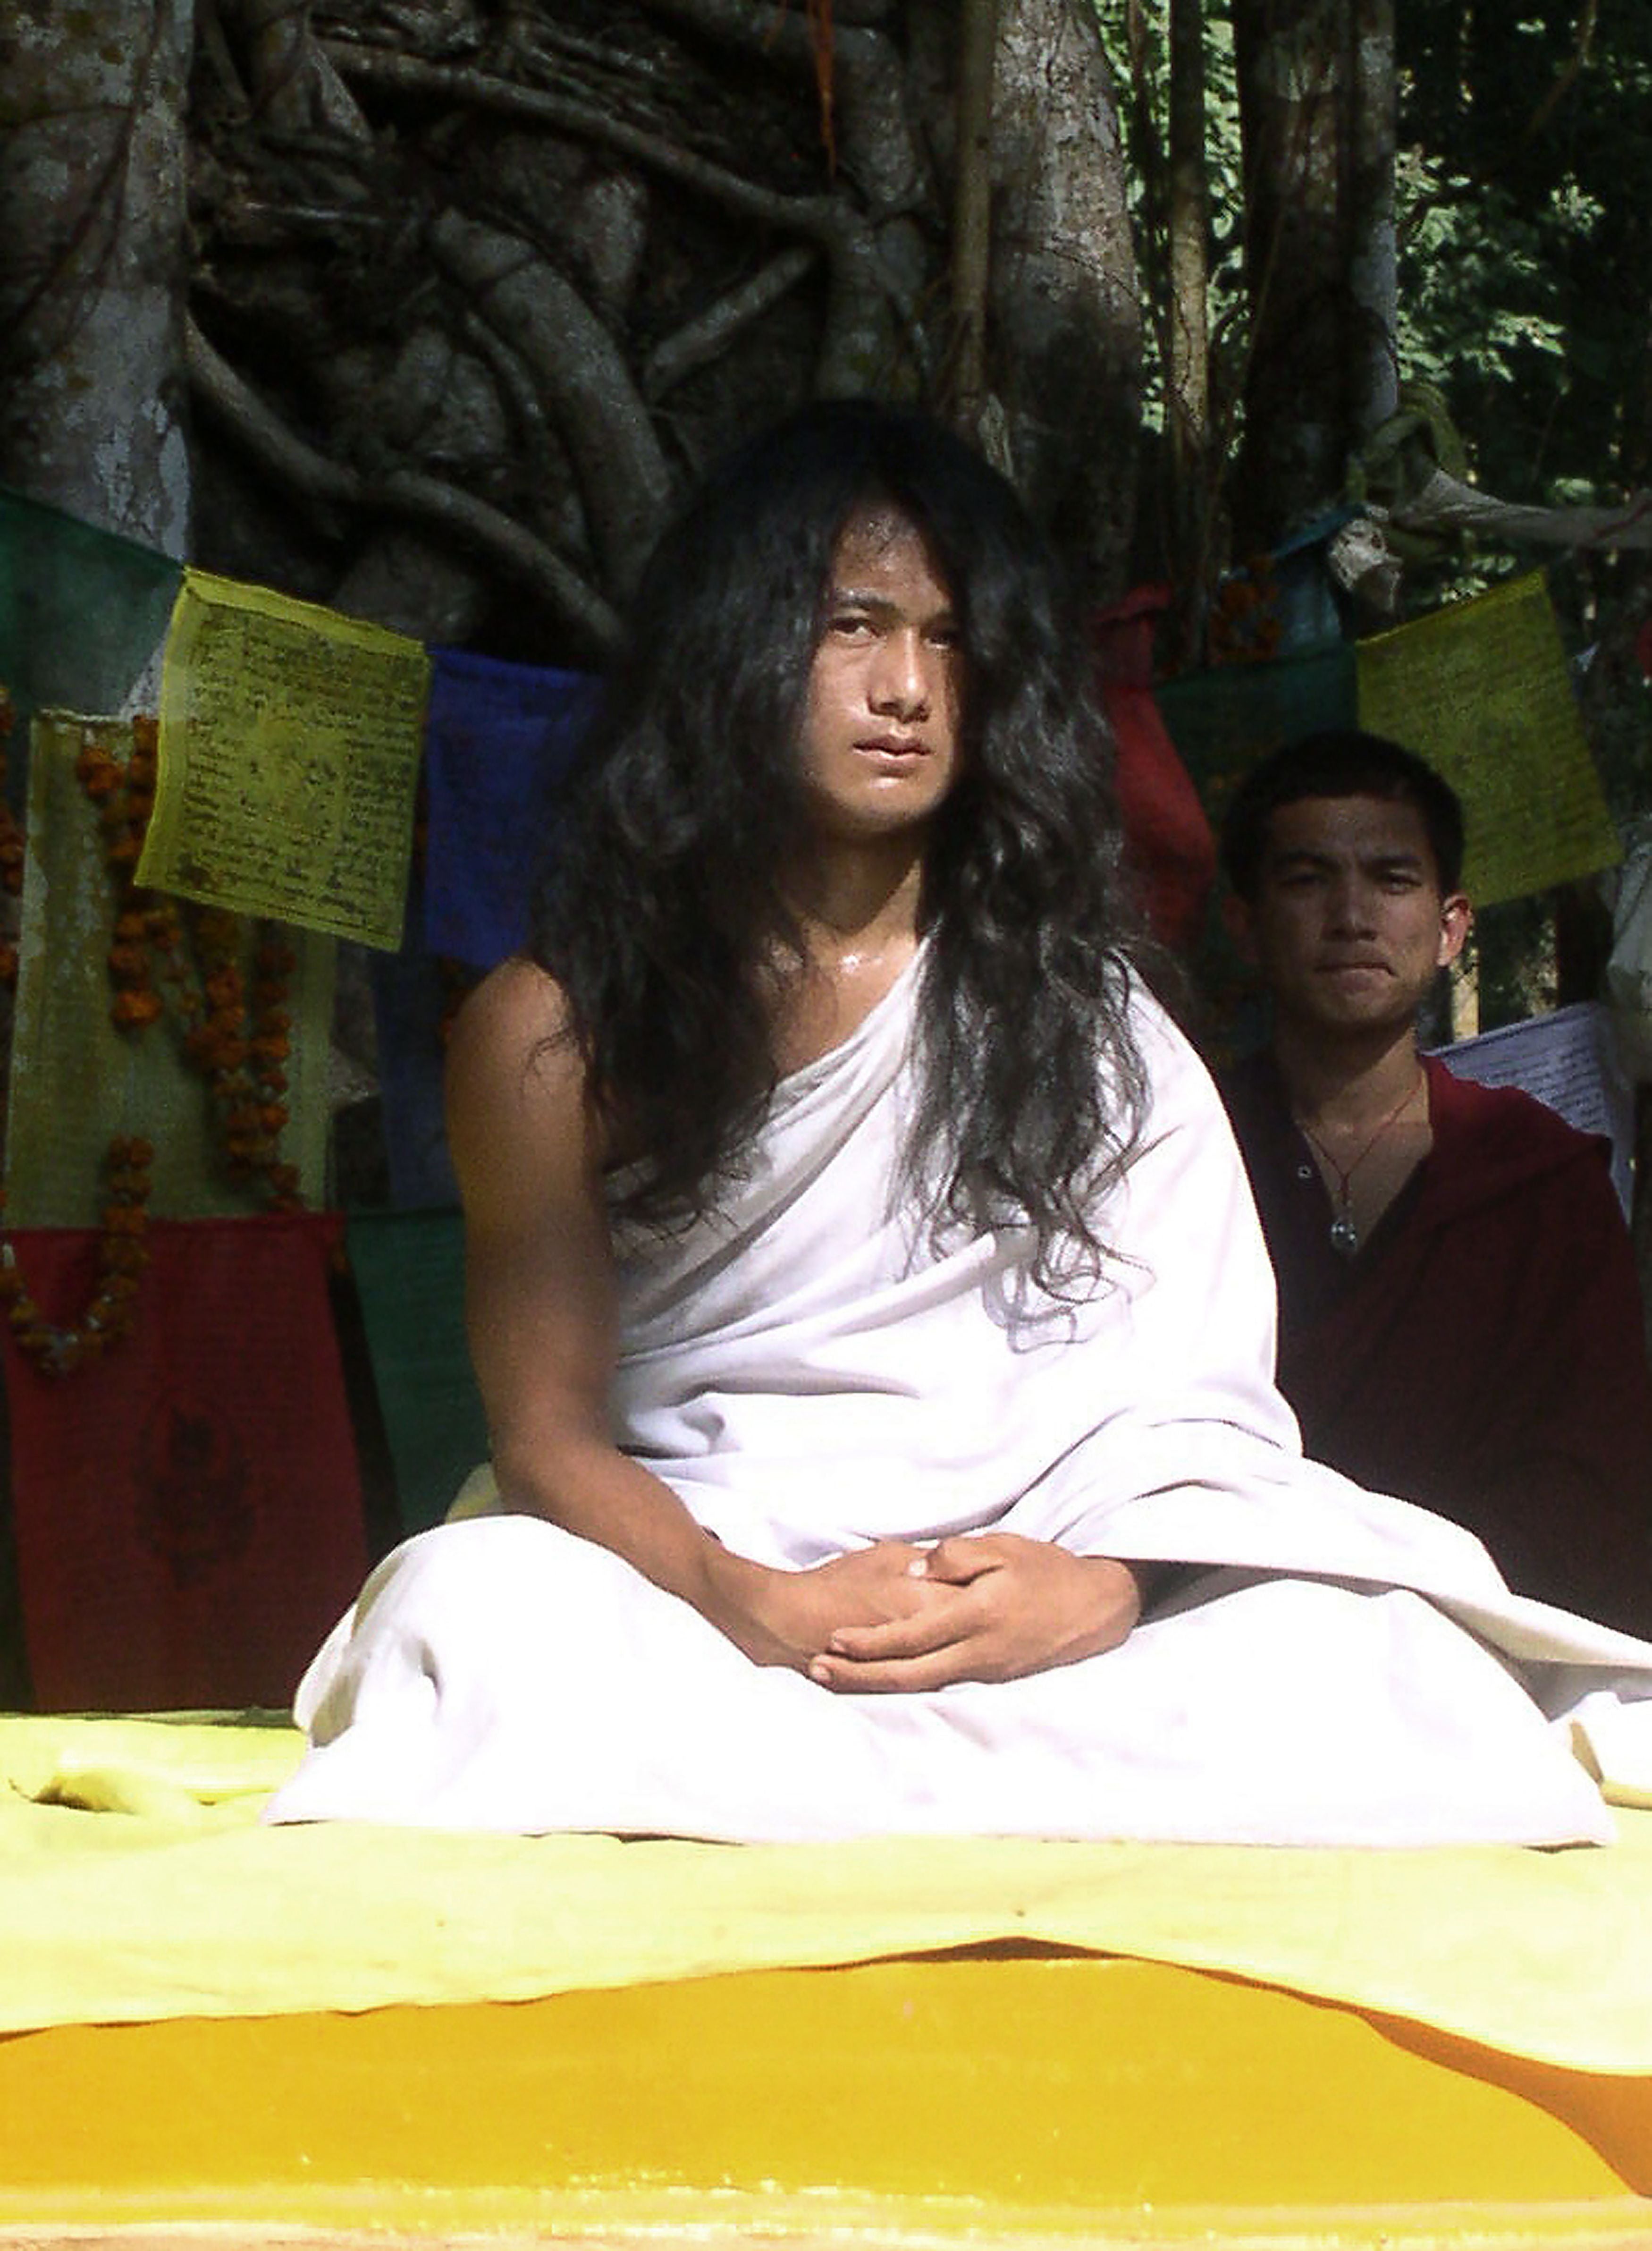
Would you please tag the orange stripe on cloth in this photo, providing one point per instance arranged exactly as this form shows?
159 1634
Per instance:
987 2093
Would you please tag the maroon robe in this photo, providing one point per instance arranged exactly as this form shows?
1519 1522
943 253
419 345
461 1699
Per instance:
1483 1352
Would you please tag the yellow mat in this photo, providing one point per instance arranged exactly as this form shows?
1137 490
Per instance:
171 1901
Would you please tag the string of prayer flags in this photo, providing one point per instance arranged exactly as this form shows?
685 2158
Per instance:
76 1080
409 1278
188 1507
83 612
290 739
1481 690
499 742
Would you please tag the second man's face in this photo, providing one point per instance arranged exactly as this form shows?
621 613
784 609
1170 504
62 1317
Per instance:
1348 927
880 750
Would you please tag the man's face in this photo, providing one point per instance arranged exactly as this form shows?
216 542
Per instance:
1348 927
880 751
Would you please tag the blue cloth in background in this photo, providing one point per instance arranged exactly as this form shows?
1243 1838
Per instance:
499 742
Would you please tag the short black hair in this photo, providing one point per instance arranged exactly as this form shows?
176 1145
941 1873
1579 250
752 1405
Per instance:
1339 762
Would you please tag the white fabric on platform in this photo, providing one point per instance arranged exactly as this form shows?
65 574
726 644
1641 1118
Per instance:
809 1377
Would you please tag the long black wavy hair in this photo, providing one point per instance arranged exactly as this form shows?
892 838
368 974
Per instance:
662 917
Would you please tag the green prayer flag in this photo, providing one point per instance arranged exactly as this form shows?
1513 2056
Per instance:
409 1277
82 612
1226 721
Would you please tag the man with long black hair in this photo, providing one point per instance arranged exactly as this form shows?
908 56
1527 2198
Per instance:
863 1286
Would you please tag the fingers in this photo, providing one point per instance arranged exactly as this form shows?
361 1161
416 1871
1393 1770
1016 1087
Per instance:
938 1625
907 1676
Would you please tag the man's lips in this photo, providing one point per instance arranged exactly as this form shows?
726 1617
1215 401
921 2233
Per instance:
893 746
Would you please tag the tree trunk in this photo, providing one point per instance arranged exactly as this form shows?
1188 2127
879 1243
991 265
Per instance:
1065 301
474 294
1187 378
93 262
973 211
1291 57
1373 383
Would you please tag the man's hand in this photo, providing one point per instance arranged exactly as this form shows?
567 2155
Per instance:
998 1606
792 1617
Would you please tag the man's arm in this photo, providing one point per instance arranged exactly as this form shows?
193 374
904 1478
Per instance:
541 1315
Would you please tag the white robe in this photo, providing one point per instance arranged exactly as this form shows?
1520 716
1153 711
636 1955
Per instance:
810 1374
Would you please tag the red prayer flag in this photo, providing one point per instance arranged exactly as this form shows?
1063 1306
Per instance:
188 1507
1166 833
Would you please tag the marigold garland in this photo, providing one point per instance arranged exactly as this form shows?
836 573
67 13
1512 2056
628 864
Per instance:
241 1052
123 1252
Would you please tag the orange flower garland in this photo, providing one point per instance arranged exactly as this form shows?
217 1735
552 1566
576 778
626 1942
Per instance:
241 1054
122 1255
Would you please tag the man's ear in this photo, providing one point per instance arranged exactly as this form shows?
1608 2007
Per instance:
1456 920
1236 921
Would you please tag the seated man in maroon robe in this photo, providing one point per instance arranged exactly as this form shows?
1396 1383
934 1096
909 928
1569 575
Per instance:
1460 1317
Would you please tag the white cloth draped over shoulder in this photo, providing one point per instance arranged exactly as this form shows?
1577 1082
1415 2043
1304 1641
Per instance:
810 1372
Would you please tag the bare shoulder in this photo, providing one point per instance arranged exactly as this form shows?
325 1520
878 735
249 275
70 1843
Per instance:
515 1078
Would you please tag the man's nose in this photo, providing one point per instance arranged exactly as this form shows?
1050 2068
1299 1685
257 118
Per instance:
900 683
1351 904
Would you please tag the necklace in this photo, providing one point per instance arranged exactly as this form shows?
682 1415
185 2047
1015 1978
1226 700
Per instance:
1344 1235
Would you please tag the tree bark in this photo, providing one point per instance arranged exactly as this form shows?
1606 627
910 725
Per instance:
1187 384
93 262
973 211
1291 60
1373 382
1065 350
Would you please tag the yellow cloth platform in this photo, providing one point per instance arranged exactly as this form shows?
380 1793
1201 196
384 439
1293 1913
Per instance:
173 1901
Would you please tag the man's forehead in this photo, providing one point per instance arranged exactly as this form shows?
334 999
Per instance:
878 534
1353 826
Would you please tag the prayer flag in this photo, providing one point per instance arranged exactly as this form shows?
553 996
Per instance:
1481 690
409 1277
1568 1058
75 1079
413 992
499 743
290 740
83 613
1166 834
1224 722
188 1507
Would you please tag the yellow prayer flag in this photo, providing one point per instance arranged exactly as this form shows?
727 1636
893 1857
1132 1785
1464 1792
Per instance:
290 740
1480 691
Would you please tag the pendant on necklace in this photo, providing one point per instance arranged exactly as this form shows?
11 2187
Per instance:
1344 1235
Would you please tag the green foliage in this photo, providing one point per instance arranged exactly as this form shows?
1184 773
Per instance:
1142 76
1523 193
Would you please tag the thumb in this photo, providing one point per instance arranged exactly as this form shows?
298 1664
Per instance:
958 1560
